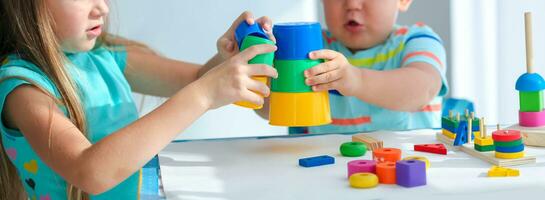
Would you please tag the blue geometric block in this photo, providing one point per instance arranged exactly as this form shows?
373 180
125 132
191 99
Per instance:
410 173
461 134
514 149
316 161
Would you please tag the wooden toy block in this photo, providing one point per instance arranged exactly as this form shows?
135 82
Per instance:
513 149
485 156
353 149
532 119
431 148
461 134
496 171
360 166
316 161
369 141
531 101
386 172
421 158
410 173
448 134
363 180
484 141
509 155
509 144
387 154
506 135
484 148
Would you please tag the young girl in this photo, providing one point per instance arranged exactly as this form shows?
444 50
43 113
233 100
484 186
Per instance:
69 126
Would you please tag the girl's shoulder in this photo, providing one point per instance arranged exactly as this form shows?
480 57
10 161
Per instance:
15 71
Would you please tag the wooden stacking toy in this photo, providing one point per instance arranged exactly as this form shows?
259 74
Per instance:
530 86
508 144
292 102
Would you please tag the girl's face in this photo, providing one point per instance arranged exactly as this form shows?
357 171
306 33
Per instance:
362 24
78 23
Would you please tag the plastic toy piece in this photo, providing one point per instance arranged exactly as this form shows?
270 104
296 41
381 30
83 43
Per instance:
532 119
509 155
299 109
353 149
360 166
369 141
386 172
431 148
506 135
291 75
316 161
296 40
530 82
496 171
387 154
410 173
244 29
363 180
423 159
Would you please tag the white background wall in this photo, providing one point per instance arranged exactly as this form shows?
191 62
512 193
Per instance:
188 30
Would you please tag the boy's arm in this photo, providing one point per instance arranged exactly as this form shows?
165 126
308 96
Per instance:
408 88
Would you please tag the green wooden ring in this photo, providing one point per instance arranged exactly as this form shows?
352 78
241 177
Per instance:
266 58
353 149
508 144
485 148
291 77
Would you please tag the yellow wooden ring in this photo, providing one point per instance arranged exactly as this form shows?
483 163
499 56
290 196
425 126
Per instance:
449 134
510 155
363 180
423 159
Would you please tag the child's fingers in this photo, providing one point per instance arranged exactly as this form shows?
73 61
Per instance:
325 87
255 50
320 69
323 54
252 97
245 16
324 78
266 23
262 70
259 87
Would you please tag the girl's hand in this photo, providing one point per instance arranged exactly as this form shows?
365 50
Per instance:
227 44
231 80
334 74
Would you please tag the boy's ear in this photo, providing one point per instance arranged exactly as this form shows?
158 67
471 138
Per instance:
404 5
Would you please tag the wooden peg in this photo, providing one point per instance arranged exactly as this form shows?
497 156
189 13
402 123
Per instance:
469 130
529 48
482 128
472 115
450 114
457 116
467 113
498 126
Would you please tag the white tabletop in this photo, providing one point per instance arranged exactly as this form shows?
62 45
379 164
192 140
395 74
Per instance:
268 169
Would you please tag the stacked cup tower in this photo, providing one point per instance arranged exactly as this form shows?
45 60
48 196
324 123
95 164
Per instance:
292 102
249 35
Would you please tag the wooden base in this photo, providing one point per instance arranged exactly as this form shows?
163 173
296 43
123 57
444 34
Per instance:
531 136
485 156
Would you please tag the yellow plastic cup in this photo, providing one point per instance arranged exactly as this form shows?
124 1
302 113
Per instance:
299 109
246 104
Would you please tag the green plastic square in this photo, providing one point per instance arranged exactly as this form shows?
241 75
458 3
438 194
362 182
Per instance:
531 101
484 148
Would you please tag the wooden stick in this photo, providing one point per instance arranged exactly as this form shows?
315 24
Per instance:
457 116
482 128
469 130
450 114
498 126
467 113
529 48
472 115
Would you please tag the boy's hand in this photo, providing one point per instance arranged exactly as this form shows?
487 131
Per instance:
227 44
334 74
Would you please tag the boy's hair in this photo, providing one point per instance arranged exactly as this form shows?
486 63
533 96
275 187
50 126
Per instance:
27 31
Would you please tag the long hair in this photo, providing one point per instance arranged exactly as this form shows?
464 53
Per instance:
27 31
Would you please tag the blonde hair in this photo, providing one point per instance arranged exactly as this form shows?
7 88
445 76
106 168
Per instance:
27 31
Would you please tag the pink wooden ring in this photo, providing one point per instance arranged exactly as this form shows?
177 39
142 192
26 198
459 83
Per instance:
532 119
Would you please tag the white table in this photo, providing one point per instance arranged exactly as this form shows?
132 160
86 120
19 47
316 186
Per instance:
268 169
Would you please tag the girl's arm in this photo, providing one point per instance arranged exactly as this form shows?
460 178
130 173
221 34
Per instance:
95 168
